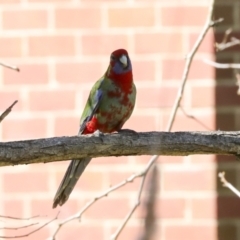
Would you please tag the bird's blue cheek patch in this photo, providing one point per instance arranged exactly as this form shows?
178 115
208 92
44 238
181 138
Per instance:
118 69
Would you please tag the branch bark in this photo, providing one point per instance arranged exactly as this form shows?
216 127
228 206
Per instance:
119 144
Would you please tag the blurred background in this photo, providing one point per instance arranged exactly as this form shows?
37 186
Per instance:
62 47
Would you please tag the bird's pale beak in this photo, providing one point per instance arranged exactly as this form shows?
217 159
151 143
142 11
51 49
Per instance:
123 60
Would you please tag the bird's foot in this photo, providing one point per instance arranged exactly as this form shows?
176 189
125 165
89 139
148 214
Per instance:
127 131
98 133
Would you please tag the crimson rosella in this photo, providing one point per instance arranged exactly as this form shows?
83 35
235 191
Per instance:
109 105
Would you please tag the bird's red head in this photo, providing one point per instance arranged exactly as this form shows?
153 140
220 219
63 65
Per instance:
120 57
120 68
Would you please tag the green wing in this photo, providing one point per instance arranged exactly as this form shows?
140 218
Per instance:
92 104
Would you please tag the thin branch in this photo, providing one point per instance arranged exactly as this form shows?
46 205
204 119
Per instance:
18 218
17 228
209 23
31 232
222 65
225 44
120 228
102 195
7 111
227 184
10 67
194 118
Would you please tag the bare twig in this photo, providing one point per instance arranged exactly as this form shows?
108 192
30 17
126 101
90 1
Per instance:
18 218
194 118
17 228
227 184
7 111
11 67
222 65
225 44
209 23
143 175
102 195
31 232
149 223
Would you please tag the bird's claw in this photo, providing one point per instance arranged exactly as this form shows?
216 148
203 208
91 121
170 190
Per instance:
98 133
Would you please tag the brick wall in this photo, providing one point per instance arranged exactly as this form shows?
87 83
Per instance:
62 47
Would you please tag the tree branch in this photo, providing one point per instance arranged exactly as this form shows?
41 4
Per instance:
124 144
9 66
7 111
222 65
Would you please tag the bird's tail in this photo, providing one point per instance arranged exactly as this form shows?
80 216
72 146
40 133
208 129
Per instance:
73 173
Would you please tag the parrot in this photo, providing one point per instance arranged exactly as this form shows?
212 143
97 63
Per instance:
110 104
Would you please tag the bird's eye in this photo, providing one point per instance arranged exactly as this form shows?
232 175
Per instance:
112 58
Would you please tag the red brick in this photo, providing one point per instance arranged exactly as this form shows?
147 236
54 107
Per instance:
24 19
29 74
45 46
103 44
119 17
9 1
200 122
78 72
69 208
147 123
86 232
191 180
183 16
25 182
111 160
205 208
13 208
12 47
103 1
42 207
159 42
190 232
78 18
207 45
143 70
170 208
171 159
48 1
43 233
162 159
67 126
113 209
156 97
7 98
115 177
55 100
89 181
19 129
206 159
203 96
128 232
173 69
